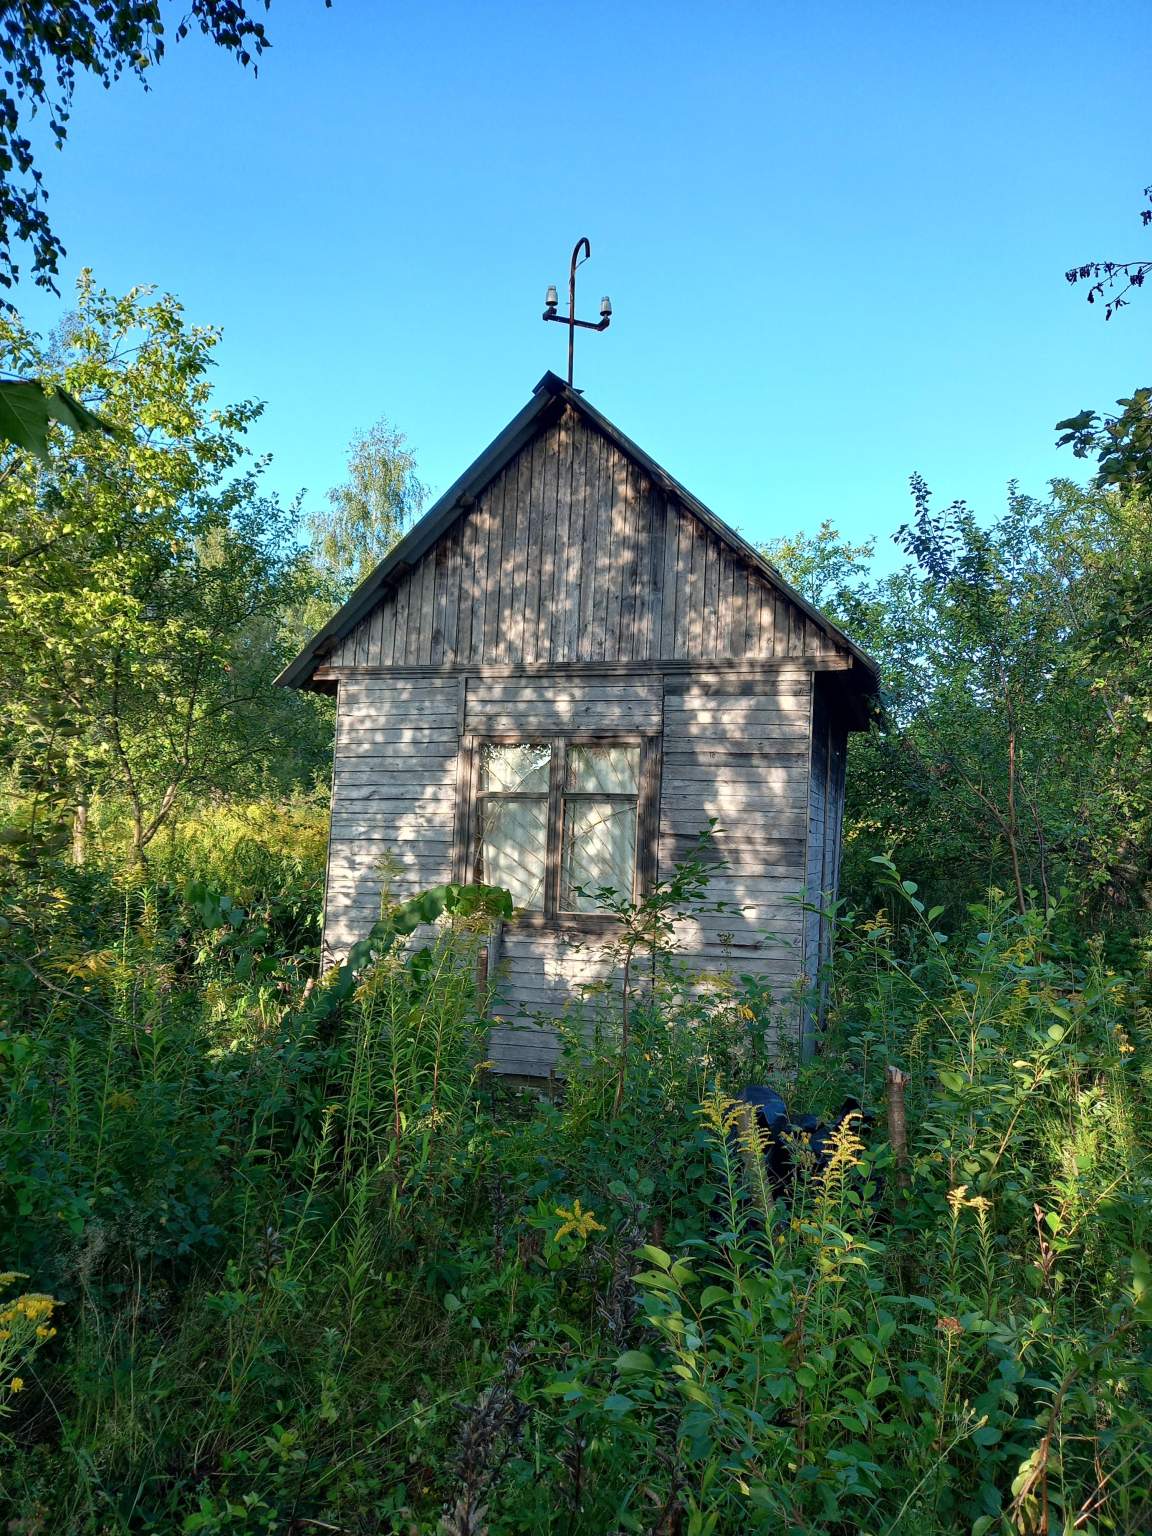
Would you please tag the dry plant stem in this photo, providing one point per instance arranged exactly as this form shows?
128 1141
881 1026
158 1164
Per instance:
898 1123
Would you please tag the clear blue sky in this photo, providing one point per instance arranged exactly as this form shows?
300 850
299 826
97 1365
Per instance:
834 235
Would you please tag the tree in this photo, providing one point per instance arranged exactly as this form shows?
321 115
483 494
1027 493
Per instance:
44 44
144 577
1118 278
1121 444
368 513
1015 747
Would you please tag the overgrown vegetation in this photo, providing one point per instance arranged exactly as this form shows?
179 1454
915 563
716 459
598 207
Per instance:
305 1265
281 1255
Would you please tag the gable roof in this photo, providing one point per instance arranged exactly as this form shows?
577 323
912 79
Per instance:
551 394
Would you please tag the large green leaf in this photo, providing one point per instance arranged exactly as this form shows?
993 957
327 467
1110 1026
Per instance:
26 408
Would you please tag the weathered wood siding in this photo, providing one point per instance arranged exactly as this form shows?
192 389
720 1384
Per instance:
496 706
572 555
574 596
394 797
736 748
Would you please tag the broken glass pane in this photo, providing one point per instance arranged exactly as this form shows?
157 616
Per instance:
604 770
517 770
513 840
599 850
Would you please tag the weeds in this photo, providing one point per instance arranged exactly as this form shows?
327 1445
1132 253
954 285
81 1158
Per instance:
309 1267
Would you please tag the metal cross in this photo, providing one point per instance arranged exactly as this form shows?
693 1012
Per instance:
570 319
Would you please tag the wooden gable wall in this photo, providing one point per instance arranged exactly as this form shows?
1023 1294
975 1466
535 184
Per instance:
572 555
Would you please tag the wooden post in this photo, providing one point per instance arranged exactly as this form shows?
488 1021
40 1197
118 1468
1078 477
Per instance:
80 832
898 1123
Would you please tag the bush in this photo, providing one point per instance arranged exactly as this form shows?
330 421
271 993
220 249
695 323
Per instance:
312 1266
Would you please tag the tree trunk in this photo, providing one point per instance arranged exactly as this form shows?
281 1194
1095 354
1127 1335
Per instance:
80 832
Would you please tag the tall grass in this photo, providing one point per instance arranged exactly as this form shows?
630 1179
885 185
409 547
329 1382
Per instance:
312 1267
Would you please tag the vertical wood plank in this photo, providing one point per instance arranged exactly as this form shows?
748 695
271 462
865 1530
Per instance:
617 555
497 599
724 605
630 566
462 646
387 628
535 551
420 633
400 638
649 569
453 573
375 625
683 582
796 626
547 578
438 558
561 595
602 496
515 564
739 608
780 606
709 638
483 520
697 597
666 512
584 476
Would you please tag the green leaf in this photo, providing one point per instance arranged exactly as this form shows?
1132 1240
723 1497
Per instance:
1142 1285
635 1360
986 1435
655 1256
26 408
616 1402
711 1294
861 1350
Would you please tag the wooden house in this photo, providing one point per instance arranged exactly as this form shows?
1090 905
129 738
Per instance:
551 684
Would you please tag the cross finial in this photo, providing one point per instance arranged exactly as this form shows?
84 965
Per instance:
570 319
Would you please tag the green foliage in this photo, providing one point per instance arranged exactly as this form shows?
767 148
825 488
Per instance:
1014 749
26 408
144 579
368 514
311 1265
1122 444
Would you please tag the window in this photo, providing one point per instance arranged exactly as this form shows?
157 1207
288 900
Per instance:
557 820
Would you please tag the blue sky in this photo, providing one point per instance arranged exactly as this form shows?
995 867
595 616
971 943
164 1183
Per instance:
834 236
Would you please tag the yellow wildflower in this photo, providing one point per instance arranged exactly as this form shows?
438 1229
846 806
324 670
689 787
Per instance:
577 1222
958 1198
17 1384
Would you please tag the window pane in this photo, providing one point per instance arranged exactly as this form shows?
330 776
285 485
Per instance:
599 850
609 770
521 770
513 838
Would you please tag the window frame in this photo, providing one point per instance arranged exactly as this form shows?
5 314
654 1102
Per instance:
647 800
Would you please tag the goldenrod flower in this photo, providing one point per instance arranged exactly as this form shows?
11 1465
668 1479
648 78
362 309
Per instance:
580 1223
17 1384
